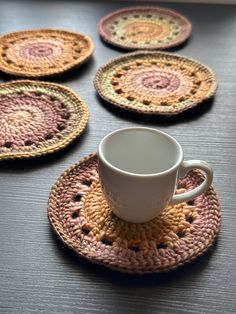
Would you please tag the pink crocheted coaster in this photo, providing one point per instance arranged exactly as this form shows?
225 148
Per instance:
38 118
144 28
82 219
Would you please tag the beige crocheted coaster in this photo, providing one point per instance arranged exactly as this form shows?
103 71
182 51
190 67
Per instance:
80 216
38 118
43 52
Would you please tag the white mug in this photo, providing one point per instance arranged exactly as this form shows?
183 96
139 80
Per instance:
138 170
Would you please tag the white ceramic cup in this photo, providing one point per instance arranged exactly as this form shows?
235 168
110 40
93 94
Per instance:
138 170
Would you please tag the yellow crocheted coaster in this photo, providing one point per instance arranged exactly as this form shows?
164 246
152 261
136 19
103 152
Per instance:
82 219
43 52
38 118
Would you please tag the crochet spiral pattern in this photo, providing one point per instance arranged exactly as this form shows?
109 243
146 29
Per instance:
144 28
43 52
155 83
37 118
80 216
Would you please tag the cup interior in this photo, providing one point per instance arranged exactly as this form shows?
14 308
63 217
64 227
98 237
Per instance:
141 151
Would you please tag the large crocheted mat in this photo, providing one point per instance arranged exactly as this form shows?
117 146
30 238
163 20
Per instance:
37 118
43 52
144 28
82 219
155 83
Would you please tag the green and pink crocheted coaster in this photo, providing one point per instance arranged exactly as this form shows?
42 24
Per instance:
155 83
144 28
38 118
82 219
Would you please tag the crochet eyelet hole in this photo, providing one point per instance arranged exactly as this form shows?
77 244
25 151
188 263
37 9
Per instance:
130 98
20 92
161 246
118 75
29 142
126 68
8 144
61 127
75 215
48 136
114 83
134 248
85 230
38 94
66 116
87 182
119 91
52 98
189 219
180 233
182 99
107 242
77 198
146 102
191 203
164 104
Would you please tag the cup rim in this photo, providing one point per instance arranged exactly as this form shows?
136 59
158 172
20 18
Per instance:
105 161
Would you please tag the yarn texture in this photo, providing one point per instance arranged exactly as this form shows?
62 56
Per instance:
145 28
82 219
155 83
43 52
37 118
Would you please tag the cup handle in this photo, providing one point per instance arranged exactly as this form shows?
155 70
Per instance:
186 167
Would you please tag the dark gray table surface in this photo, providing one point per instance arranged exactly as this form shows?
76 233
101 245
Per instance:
37 272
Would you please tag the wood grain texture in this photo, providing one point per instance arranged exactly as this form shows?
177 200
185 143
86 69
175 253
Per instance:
37 273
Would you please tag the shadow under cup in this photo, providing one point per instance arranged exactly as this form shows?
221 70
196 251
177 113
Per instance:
141 151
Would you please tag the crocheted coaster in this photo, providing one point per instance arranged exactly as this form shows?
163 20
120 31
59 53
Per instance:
37 118
144 28
43 52
155 83
82 219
